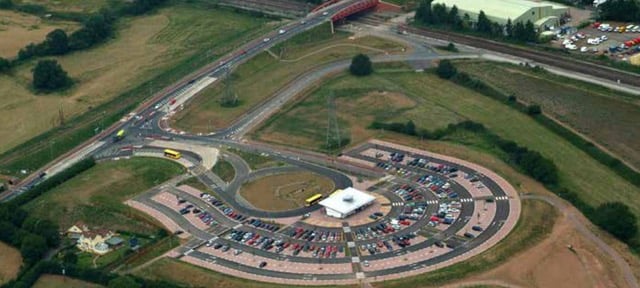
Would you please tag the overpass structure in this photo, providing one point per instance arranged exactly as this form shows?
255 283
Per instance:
354 8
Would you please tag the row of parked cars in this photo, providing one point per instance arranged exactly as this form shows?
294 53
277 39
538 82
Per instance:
257 223
606 27
315 235
204 216
227 211
408 193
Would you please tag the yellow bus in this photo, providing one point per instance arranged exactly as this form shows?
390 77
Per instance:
312 200
119 136
172 154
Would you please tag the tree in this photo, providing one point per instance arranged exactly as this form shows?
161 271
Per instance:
530 34
361 65
33 248
484 24
5 65
57 42
617 219
439 14
446 69
48 75
424 13
620 10
410 128
454 18
124 282
509 28
6 4
45 228
534 109
70 257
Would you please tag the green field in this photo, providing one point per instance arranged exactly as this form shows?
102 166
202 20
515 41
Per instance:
608 117
257 161
224 170
148 53
193 276
96 196
442 102
259 78
359 101
57 281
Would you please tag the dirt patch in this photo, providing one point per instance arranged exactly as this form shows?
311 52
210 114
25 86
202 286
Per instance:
285 191
17 30
10 262
57 281
552 264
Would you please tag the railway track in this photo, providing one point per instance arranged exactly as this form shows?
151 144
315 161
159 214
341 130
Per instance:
547 58
279 6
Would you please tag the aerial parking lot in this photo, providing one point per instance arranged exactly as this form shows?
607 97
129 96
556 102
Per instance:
427 211
614 39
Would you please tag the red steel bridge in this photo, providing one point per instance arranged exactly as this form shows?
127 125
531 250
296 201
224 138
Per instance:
354 8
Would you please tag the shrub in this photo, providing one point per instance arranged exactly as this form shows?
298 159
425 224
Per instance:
361 65
48 75
534 109
617 219
446 70
5 65
6 4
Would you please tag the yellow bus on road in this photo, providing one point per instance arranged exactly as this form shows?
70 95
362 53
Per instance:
172 154
312 200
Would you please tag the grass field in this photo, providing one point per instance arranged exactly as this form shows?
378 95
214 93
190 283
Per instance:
442 102
148 53
57 281
96 195
71 5
224 170
17 30
531 228
195 183
260 77
10 262
285 191
257 161
192 276
608 117
358 103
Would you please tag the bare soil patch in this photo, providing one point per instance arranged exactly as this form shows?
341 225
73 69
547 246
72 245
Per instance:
285 191
17 30
57 281
10 262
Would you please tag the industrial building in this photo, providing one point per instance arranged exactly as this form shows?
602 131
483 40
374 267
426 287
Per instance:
346 202
540 13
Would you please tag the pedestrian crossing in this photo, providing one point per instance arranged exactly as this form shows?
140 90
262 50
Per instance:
432 202
397 204
502 198
466 200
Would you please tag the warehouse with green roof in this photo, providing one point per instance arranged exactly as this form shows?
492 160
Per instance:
540 13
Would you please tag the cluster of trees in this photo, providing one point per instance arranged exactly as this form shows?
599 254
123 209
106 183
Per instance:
6 4
361 65
439 14
33 236
620 10
97 28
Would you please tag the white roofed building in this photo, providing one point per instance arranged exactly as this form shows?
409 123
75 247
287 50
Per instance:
346 202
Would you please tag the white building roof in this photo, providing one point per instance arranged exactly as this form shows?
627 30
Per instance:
347 200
